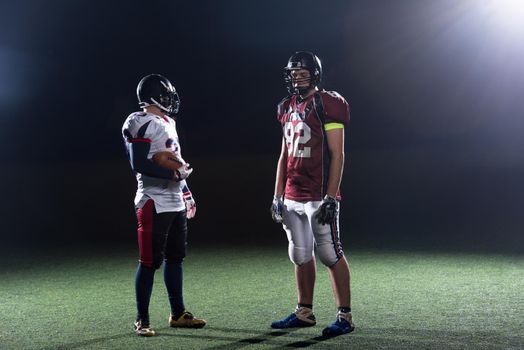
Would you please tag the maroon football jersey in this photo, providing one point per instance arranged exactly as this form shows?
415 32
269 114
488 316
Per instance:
308 158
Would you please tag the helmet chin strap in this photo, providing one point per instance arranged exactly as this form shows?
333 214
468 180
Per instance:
304 91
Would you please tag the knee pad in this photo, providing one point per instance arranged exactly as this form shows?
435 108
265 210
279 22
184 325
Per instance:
175 253
329 254
146 266
156 263
176 259
298 255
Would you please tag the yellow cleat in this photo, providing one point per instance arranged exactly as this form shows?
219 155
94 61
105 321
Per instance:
187 320
143 330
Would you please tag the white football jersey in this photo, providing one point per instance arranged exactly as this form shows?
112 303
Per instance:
161 133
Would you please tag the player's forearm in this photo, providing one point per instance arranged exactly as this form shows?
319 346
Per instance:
148 168
336 167
184 186
141 164
280 177
335 141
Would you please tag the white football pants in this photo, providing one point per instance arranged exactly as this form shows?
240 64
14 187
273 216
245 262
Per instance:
305 234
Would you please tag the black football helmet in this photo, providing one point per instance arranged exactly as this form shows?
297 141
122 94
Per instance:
303 60
156 90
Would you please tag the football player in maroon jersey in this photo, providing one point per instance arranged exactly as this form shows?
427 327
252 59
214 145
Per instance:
306 198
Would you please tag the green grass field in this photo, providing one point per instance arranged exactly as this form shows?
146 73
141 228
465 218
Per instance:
401 300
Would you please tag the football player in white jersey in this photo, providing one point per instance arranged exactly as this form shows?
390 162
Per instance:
163 201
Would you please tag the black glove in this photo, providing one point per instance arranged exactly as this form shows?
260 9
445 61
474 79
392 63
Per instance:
327 212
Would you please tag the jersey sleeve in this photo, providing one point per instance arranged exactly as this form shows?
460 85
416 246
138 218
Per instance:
336 108
139 128
146 129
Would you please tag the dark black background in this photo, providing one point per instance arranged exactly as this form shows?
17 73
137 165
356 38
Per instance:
434 150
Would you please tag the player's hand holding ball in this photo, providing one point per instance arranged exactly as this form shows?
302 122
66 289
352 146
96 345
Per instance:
328 210
183 172
171 161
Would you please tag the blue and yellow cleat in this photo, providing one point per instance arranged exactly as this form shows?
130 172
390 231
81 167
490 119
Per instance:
302 317
343 324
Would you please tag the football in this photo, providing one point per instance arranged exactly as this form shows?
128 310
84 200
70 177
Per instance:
168 160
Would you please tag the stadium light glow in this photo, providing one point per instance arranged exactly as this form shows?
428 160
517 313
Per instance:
508 14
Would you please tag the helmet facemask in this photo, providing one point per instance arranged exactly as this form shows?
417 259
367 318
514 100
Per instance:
295 85
169 100
302 60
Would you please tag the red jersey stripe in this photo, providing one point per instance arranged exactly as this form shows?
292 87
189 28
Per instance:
131 140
